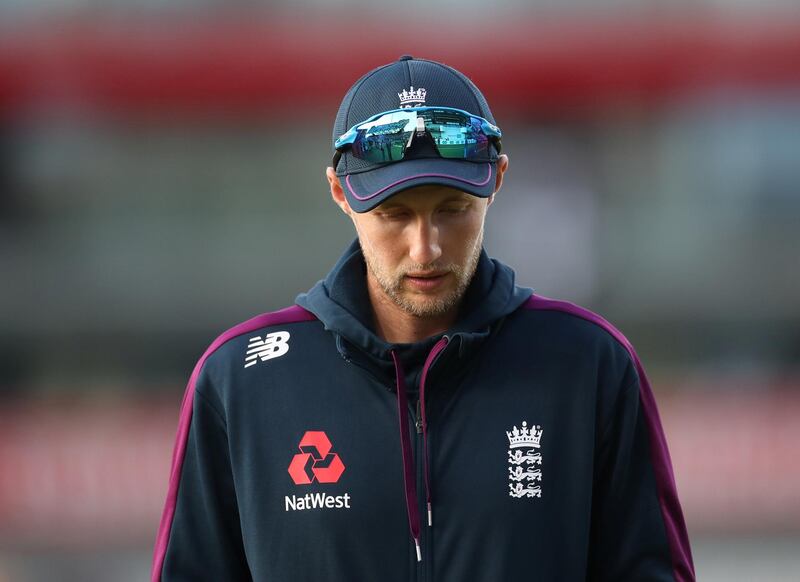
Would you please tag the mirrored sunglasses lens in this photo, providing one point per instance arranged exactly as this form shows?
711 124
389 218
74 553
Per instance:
385 139
457 136
381 148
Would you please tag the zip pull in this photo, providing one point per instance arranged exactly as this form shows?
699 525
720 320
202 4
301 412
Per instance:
419 416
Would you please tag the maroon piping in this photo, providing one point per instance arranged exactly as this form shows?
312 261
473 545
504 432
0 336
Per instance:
677 538
292 314
437 349
409 475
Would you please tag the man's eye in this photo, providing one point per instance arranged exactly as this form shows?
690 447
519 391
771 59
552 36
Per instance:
454 209
394 215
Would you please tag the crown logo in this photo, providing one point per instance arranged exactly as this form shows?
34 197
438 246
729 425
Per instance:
524 437
412 96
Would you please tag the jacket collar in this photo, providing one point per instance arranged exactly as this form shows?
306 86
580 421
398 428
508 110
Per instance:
341 302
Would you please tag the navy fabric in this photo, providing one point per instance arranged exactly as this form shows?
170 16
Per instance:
597 515
369 183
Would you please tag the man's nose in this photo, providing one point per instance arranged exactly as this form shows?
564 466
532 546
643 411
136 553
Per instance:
425 247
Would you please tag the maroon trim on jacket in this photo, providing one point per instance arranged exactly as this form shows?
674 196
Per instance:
293 314
677 537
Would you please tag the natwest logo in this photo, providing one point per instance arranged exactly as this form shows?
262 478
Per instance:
315 461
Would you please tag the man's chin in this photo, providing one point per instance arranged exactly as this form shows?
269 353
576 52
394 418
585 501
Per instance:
428 304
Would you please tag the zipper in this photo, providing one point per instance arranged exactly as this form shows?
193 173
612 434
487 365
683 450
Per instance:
424 569
424 534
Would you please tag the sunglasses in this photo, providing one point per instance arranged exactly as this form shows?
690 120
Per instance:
386 137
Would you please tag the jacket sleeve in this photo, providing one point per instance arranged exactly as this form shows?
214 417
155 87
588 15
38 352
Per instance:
202 539
637 530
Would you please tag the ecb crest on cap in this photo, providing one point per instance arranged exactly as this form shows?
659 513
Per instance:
412 98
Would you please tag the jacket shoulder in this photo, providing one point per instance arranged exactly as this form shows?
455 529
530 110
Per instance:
260 324
642 416
582 320
218 356
570 329
261 337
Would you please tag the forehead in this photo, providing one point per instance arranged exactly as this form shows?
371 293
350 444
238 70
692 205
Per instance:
425 196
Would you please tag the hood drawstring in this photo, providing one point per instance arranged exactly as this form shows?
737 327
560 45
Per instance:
409 475
437 349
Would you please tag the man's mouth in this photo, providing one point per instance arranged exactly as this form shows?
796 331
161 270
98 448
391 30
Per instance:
426 280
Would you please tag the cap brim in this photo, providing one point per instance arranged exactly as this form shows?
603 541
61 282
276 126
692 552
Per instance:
365 190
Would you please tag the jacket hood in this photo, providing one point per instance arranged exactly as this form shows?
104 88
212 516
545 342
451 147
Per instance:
341 303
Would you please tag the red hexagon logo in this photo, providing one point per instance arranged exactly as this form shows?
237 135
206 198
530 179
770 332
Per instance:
315 462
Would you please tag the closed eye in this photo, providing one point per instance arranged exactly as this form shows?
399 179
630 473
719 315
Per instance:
394 215
454 209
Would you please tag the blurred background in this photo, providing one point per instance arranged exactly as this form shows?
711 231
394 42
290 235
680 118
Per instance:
162 179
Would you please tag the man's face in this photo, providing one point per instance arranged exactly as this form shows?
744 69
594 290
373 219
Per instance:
422 246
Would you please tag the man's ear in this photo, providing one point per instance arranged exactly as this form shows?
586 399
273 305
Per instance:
337 193
502 166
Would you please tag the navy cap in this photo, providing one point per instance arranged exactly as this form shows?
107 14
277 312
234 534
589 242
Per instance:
410 82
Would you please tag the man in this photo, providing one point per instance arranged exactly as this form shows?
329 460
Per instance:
418 416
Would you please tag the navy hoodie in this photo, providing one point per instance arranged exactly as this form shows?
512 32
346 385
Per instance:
522 444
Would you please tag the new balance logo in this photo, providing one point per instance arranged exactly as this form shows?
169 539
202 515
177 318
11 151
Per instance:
272 345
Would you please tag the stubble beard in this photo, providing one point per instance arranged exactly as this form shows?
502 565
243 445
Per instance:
423 307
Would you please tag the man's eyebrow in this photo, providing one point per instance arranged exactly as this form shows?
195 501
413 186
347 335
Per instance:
455 197
388 205
458 198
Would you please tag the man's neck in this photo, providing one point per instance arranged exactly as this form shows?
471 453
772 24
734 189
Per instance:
395 325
